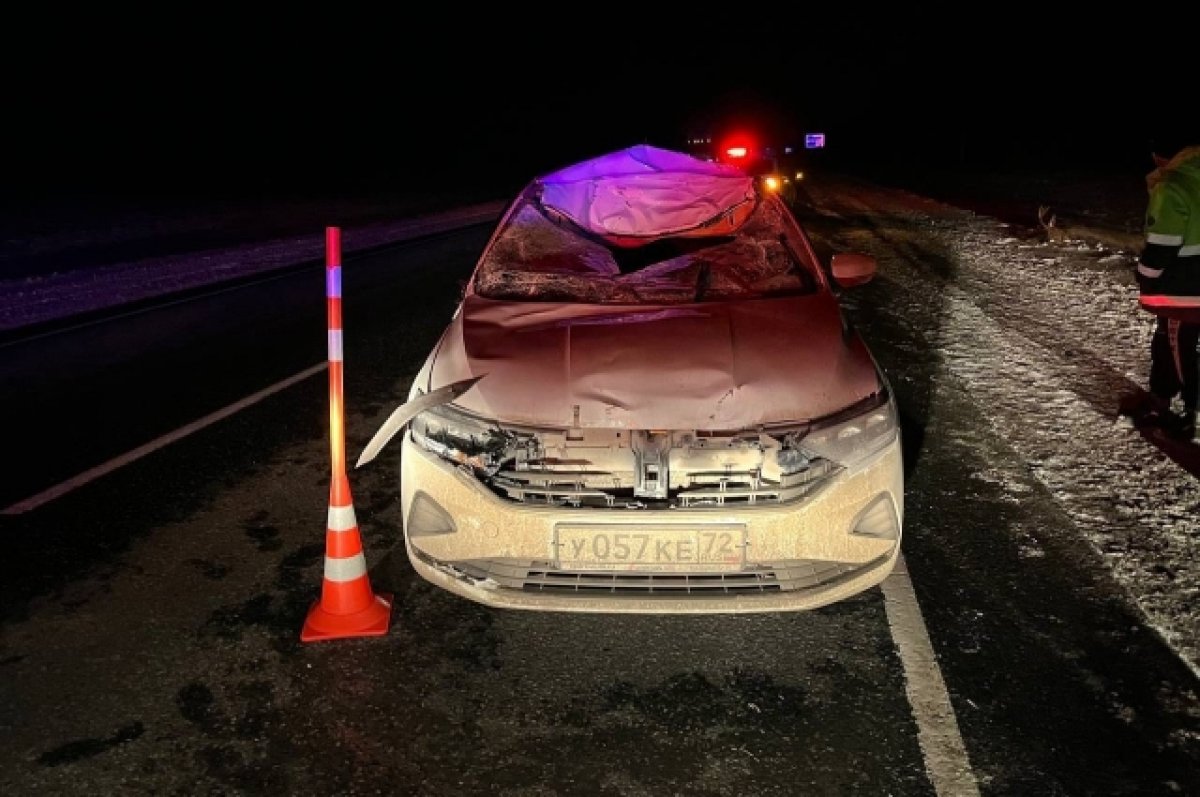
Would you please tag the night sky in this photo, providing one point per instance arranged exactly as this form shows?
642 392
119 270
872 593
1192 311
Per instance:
233 105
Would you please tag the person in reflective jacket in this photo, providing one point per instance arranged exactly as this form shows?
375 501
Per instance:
1168 274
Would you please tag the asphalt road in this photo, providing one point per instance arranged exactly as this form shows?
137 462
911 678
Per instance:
150 619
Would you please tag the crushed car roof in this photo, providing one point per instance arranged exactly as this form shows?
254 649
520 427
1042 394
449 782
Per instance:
645 192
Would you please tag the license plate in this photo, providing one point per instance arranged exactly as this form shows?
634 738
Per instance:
665 548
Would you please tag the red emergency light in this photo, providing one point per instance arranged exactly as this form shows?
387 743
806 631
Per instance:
738 148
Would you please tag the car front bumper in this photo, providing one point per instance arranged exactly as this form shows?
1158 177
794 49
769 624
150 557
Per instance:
801 555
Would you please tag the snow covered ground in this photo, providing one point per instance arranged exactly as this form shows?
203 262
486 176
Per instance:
1045 338
1063 339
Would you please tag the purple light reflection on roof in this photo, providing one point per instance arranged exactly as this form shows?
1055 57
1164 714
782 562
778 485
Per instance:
641 159
645 192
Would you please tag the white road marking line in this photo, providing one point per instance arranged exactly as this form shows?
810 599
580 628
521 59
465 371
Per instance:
942 746
62 488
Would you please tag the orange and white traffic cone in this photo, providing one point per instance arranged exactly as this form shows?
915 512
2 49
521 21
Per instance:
348 607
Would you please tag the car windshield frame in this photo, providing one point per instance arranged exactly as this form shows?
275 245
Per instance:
537 254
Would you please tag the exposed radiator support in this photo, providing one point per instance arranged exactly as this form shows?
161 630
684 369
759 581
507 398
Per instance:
651 452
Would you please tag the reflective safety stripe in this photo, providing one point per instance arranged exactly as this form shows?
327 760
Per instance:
333 282
1171 301
347 569
1188 251
1146 271
335 345
341 518
1164 240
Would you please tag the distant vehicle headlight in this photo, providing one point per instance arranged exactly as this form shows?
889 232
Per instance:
771 182
857 433
799 175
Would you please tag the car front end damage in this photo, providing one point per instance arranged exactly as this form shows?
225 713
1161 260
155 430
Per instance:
649 400
782 517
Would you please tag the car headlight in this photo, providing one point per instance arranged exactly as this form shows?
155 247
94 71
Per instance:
463 439
856 433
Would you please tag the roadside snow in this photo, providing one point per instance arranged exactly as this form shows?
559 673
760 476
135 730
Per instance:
1046 338
1139 509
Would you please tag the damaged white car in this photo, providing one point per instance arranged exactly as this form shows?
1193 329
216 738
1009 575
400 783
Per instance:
649 401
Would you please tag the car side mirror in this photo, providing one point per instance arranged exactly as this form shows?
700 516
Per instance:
851 269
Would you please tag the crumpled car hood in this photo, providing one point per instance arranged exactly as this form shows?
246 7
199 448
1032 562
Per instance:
710 366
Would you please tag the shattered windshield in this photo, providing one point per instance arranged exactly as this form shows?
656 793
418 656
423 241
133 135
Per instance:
542 256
